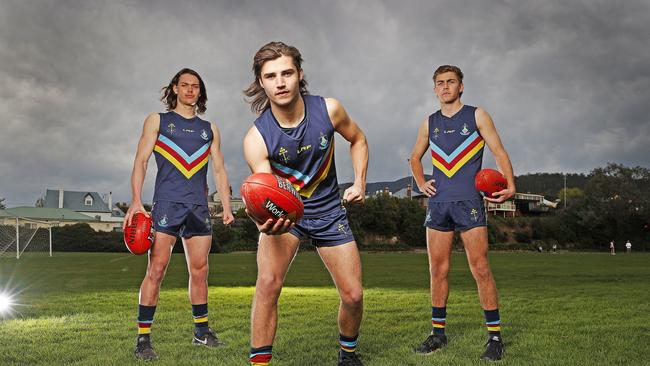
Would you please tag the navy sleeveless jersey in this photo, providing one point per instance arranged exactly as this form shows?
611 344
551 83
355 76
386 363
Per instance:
457 154
305 155
182 152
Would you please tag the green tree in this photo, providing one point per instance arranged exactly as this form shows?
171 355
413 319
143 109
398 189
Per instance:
2 204
572 195
615 205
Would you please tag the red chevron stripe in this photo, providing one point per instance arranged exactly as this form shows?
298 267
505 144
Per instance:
324 164
290 177
180 159
262 358
462 154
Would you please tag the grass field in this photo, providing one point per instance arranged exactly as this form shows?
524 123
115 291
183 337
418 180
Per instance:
563 309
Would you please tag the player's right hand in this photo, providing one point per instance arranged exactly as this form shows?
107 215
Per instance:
429 189
275 226
135 207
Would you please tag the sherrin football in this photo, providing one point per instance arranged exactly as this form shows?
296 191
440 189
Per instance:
139 236
268 196
489 181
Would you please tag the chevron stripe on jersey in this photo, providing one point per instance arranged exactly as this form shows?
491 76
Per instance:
304 184
188 165
450 164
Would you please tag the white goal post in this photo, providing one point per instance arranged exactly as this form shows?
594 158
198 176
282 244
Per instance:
20 234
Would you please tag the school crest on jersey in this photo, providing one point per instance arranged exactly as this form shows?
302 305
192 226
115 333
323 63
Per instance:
465 130
323 142
204 135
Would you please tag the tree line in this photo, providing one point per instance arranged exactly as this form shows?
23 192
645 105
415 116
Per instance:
609 203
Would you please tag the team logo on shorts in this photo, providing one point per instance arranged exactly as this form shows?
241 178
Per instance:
465 130
163 222
204 135
474 214
428 218
171 127
207 222
342 228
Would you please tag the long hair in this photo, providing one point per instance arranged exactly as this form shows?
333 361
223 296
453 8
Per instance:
169 97
255 94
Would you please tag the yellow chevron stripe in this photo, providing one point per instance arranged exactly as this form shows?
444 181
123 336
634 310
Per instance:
309 191
201 320
450 172
187 173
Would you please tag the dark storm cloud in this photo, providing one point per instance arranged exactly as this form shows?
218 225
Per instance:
565 82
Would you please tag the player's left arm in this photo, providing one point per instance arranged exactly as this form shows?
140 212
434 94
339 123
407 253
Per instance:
489 133
221 175
350 131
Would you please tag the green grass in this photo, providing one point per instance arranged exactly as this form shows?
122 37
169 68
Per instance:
568 309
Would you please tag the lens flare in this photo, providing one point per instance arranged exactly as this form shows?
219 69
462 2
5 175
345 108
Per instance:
6 302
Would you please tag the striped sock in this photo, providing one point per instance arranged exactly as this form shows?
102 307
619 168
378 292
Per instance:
145 318
200 314
261 356
348 344
493 322
438 318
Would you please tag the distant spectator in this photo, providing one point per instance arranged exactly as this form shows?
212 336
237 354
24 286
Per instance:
554 248
628 247
540 249
612 248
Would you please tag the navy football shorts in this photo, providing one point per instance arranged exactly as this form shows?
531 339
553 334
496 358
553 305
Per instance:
455 216
181 219
329 230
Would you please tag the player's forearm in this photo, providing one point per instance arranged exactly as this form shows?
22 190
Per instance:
359 153
418 171
503 162
224 189
137 181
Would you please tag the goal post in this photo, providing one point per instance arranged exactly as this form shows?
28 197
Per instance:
20 235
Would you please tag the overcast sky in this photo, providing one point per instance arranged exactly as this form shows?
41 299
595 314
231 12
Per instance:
566 82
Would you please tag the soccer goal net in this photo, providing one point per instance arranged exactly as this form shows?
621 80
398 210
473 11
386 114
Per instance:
25 236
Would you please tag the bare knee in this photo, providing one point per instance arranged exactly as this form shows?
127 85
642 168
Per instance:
156 273
269 286
481 271
352 297
439 270
199 272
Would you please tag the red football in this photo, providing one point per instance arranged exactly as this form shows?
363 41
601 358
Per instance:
139 236
489 181
268 196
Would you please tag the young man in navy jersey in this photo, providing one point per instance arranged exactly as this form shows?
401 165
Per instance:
294 138
183 144
455 136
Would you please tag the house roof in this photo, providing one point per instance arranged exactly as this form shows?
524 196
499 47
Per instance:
393 187
402 193
75 201
46 213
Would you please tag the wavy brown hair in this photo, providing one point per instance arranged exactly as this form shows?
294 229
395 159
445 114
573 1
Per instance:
169 98
255 94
